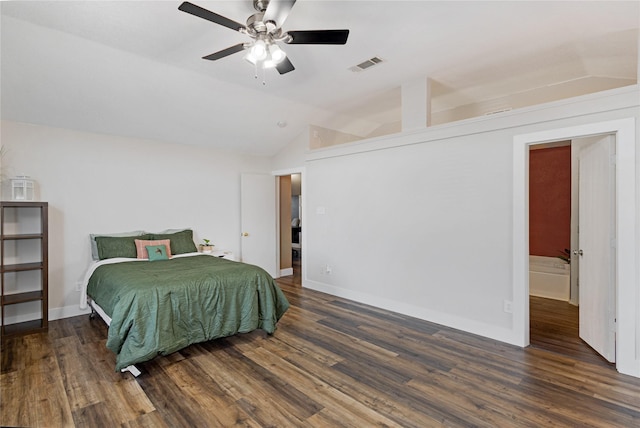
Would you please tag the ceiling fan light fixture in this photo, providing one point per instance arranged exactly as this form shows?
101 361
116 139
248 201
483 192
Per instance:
259 50
273 55
277 54
248 57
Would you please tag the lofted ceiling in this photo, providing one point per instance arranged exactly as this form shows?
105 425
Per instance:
134 68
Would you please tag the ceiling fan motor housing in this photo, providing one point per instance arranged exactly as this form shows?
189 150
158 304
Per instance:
260 5
256 25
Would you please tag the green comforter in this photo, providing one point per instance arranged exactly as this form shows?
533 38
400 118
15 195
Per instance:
159 307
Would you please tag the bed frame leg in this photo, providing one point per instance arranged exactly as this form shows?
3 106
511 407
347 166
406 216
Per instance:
133 370
92 315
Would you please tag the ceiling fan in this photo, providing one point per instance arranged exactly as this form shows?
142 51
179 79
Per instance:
265 28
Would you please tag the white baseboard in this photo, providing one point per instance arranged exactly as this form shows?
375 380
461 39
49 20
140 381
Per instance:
54 314
286 272
15 319
67 312
453 321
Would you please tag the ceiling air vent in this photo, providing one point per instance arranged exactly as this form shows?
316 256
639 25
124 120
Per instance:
366 64
502 110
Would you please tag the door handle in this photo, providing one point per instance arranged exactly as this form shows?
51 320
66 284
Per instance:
245 233
577 252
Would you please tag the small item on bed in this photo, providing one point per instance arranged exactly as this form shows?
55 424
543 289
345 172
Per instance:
142 244
157 252
181 242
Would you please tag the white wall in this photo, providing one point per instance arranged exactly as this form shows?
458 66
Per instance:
422 223
103 184
420 228
293 155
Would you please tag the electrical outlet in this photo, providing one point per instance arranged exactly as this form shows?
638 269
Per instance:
325 269
79 286
508 306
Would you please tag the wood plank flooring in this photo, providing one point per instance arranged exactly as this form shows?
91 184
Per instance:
331 363
554 326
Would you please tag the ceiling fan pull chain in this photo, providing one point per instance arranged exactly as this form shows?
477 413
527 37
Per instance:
264 77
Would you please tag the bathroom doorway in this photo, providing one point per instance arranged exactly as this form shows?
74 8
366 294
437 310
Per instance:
626 251
572 225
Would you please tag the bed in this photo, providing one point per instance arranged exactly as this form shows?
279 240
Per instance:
159 306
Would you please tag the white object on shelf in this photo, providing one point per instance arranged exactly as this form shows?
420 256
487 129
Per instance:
21 188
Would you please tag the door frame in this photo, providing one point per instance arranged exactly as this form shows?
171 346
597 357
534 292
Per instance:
279 173
628 302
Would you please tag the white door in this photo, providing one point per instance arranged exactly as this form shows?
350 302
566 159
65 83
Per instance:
258 221
596 234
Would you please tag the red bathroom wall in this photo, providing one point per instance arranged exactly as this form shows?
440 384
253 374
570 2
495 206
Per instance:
549 201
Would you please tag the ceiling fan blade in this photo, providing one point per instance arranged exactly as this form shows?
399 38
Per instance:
225 52
318 37
285 66
210 16
277 11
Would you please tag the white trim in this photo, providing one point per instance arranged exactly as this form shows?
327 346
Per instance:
613 99
520 243
628 304
459 323
286 272
288 171
24 317
278 272
302 171
54 314
67 312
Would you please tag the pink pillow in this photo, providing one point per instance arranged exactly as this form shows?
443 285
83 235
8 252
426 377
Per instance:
142 251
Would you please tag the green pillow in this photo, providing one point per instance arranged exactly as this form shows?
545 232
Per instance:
181 242
94 245
117 246
157 252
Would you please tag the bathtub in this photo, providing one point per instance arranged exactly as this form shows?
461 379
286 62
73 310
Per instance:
549 277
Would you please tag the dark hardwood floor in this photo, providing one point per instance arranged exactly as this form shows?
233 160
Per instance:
331 363
554 326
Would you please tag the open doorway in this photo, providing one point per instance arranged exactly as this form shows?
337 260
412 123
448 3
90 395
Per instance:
571 210
295 221
623 133
290 224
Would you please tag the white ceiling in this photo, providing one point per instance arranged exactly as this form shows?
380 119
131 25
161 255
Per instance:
135 68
